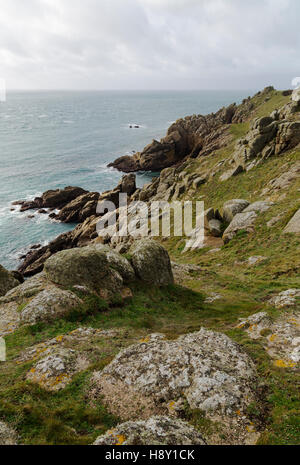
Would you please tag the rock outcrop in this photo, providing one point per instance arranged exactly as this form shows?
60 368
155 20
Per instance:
151 262
7 281
293 226
160 430
8 436
205 369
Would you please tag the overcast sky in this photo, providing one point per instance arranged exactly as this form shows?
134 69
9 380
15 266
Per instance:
149 44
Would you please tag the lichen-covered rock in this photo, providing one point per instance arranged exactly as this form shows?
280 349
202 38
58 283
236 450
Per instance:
233 207
258 207
286 298
48 305
84 266
151 262
294 224
281 337
241 222
7 281
29 288
8 437
206 369
160 430
56 369
117 262
9 318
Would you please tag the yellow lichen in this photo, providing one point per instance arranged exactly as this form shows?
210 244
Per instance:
121 439
283 364
273 337
145 340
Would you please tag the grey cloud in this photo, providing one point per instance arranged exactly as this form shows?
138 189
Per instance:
149 43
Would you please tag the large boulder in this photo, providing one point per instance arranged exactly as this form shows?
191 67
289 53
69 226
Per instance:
118 262
160 430
241 222
8 436
206 370
294 224
80 266
233 207
151 262
7 281
48 305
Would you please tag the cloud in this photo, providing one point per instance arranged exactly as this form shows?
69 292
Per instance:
140 44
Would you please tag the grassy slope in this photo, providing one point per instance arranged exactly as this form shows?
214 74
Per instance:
47 418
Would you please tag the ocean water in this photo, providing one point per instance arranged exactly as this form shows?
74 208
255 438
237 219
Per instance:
50 140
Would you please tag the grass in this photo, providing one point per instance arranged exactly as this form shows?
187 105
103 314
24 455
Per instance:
66 417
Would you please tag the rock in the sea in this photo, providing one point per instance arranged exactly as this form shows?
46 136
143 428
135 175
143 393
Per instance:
233 207
159 430
293 226
205 369
7 281
48 305
79 209
8 437
241 222
53 198
151 262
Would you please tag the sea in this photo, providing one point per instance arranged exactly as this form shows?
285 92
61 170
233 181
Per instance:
50 140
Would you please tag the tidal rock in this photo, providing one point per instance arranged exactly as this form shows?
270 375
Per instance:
151 262
159 430
79 209
205 369
7 281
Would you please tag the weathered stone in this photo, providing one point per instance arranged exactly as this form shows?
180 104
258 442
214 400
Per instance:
158 430
49 305
151 262
54 371
206 369
241 222
233 172
79 209
8 437
7 281
84 266
215 228
258 207
293 226
232 208
286 298
117 262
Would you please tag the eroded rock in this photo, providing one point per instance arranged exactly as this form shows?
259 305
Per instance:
160 430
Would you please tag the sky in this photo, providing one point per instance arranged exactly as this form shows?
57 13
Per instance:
149 44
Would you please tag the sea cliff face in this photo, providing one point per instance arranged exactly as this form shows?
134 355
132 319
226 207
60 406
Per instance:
220 324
